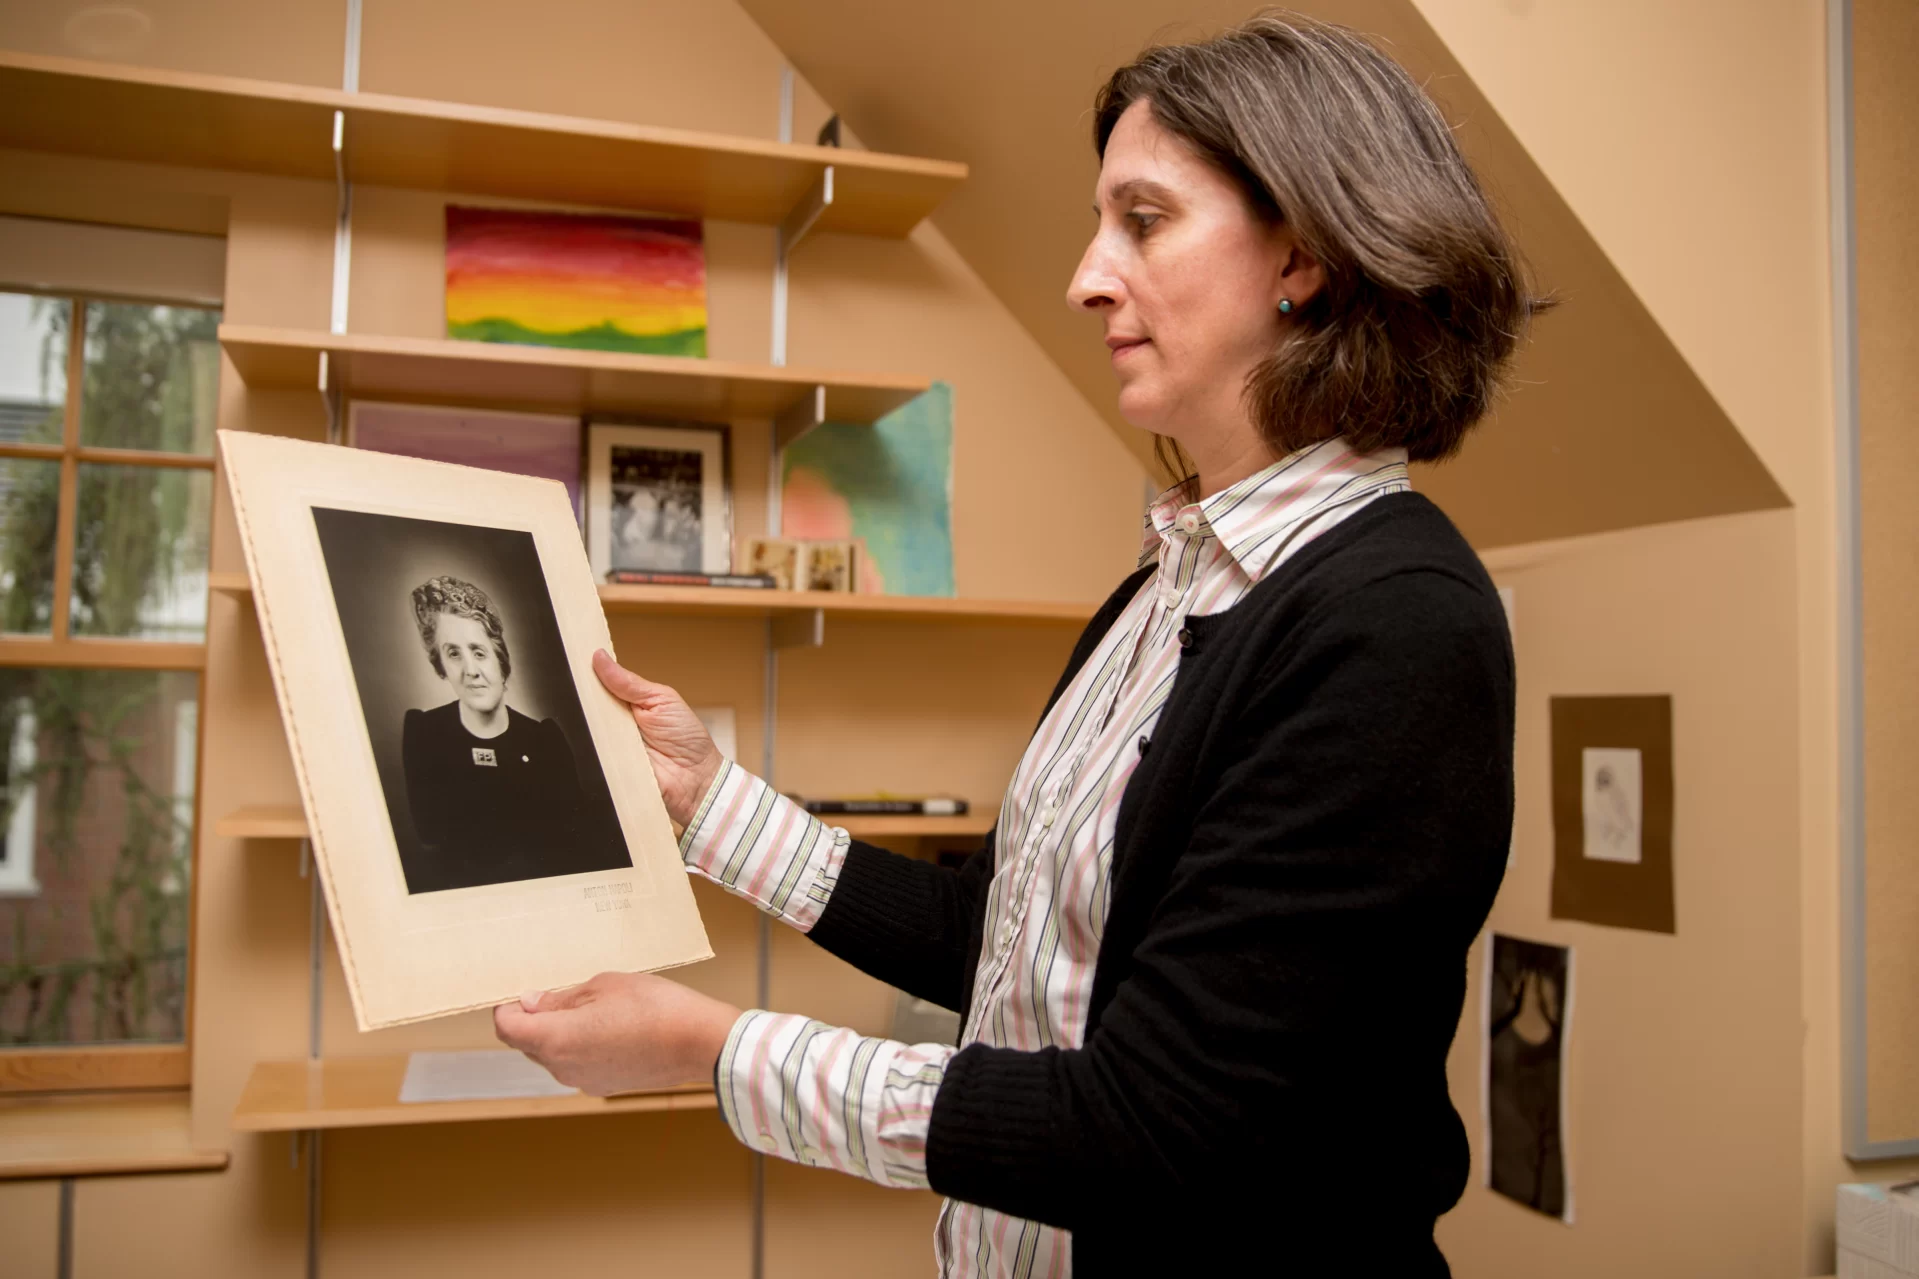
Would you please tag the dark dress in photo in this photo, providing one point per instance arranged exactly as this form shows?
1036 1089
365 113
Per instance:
489 810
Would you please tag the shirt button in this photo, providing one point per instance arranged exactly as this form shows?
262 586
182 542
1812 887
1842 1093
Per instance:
1189 521
769 1143
1047 814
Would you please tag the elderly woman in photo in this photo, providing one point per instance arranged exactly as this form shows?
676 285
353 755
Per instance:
494 793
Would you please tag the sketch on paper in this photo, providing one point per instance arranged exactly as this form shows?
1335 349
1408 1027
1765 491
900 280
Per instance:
1612 802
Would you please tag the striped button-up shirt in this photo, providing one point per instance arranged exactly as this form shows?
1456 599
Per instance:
820 1095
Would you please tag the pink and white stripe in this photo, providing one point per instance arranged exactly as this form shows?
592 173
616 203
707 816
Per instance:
805 1091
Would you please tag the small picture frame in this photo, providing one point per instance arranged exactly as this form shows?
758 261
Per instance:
831 566
658 498
779 558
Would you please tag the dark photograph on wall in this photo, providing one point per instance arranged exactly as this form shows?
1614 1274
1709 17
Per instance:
1528 1009
482 748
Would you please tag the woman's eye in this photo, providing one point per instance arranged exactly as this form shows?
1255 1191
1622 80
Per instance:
1144 221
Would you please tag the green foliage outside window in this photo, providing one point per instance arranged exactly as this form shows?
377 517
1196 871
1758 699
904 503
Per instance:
99 954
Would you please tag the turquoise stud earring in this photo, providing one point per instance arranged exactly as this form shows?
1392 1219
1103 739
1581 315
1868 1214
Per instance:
1285 306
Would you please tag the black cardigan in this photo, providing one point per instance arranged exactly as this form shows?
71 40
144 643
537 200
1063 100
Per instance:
1302 860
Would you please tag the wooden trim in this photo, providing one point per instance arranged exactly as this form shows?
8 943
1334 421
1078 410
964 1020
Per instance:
193 865
76 1069
143 457
106 457
364 1092
207 121
105 654
90 1136
66 516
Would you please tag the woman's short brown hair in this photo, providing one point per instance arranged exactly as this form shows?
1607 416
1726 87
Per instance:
1425 296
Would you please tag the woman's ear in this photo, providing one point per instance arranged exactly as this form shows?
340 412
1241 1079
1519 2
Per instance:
1301 276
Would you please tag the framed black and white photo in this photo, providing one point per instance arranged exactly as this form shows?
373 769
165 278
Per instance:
657 498
482 812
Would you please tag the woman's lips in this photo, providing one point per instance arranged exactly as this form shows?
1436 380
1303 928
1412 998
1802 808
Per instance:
1124 348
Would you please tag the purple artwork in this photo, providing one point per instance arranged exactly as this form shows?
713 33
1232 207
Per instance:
539 444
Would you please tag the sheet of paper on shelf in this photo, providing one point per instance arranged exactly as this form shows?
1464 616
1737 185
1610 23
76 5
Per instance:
486 1074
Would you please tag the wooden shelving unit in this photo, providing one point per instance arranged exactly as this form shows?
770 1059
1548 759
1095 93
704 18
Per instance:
364 1092
222 122
719 601
288 821
442 370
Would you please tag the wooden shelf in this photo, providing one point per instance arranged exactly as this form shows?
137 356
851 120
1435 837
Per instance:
263 821
364 1092
288 821
718 601
222 122
80 1136
442 370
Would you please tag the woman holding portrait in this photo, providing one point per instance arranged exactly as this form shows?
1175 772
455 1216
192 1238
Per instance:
1211 960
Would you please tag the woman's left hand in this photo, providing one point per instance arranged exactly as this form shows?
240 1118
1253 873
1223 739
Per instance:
619 1032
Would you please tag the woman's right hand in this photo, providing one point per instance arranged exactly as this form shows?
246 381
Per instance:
685 760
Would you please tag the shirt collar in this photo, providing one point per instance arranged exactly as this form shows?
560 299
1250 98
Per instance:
1255 517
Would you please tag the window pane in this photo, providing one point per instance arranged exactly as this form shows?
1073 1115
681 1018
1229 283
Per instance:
98 813
140 552
29 516
33 367
152 377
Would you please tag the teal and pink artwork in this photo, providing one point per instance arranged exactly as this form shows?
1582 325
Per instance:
889 485
596 282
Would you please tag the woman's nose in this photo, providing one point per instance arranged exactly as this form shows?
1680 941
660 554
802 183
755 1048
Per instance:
1094 284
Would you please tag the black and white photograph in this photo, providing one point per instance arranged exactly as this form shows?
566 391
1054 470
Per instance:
657 499
1527 1014
483 752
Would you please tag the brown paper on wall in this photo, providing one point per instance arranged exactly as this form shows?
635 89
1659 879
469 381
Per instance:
435 910
1619 894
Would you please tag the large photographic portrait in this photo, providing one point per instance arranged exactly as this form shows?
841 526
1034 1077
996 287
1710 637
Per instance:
484 756
482 812
657 499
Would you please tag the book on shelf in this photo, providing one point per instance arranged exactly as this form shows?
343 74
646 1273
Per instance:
882 806
642 577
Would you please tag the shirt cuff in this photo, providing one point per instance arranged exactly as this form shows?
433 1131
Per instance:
756 843
829 1098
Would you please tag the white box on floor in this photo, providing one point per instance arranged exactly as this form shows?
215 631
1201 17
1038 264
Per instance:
1878 1231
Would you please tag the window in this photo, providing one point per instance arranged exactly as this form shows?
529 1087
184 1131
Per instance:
106 491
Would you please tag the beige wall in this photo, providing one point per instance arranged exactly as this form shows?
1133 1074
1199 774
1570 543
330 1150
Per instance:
881 706
1691 139
1683 1079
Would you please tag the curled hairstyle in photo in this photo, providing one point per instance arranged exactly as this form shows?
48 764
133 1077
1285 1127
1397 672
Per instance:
1425 296
462 599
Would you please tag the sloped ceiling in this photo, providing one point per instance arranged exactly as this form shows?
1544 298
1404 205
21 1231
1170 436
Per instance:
1606 426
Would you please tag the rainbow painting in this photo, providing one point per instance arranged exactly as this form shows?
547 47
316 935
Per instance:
594 282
